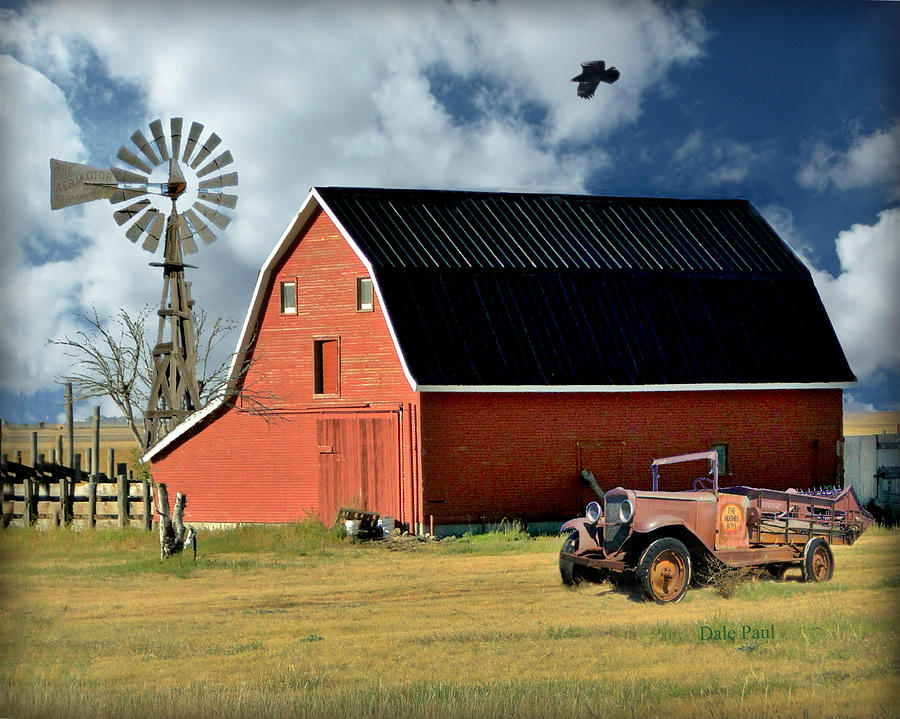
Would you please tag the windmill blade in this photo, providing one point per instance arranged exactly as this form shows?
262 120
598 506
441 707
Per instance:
217 164
211 144
188 246
128 213
217 218
128 176
72 183
229 180
200 227
124 194
159 139
193 135
126 155
218 198
151 242
134 232
137 137
175 128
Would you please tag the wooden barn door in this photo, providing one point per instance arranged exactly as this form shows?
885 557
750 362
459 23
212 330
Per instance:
359 463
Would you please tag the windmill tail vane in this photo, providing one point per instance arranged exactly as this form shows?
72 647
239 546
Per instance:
147 212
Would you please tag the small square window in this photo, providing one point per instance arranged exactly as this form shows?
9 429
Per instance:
288 298
364 295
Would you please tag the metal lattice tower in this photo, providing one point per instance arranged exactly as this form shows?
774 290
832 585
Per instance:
174 393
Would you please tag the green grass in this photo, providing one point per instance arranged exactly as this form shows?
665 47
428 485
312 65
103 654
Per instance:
297 621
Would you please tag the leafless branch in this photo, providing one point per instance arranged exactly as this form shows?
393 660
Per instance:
111 357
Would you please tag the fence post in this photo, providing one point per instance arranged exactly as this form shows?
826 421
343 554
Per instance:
34 446
42 481
63 500
148 509
95 462
28 512
70 425
92 504
3 478
122 492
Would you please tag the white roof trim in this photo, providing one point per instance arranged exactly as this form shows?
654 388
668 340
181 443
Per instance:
313 200
549 389
368 266
237 359
191 421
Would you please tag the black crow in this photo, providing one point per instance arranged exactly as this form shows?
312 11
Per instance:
593 72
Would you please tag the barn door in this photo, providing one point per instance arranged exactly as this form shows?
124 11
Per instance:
359 464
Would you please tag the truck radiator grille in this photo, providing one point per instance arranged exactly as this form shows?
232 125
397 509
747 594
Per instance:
614 534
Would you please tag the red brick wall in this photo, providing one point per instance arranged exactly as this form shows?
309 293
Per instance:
491 455
517 455
241 468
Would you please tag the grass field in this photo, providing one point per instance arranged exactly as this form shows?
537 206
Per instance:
293 622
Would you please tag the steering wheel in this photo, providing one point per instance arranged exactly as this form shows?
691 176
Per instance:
703 483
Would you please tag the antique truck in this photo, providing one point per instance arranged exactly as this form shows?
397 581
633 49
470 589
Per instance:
660 537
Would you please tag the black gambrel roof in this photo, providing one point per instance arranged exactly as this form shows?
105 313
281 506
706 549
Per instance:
488 289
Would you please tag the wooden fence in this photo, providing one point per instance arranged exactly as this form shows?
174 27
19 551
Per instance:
52 495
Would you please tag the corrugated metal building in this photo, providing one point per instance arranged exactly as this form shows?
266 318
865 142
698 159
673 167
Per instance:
872 468
459 357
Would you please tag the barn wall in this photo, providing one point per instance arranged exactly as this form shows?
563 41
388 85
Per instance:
518 455
241 468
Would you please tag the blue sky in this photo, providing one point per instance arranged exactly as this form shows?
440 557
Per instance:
792 105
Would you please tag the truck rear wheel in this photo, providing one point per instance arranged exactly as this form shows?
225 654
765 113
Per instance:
664 570
818 561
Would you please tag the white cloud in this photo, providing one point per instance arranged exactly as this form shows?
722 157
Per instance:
35 124
302 94
852 404
703 161
870 160
863 300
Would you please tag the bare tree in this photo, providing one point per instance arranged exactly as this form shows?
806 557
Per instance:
112 358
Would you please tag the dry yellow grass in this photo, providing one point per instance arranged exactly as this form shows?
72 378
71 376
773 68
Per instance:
95 627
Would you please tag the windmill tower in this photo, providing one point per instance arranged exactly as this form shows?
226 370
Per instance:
154 216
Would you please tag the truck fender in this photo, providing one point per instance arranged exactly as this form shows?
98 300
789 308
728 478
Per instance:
657 521
588 536
572 524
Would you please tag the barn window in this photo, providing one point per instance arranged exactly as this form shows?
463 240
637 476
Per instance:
327 367
722 450
289 298
364 295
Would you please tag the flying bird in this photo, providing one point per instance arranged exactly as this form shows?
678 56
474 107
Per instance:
593 72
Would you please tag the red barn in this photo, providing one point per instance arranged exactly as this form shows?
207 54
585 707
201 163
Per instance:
459 358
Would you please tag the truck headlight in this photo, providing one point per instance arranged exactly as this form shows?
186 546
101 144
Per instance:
626 511
593 512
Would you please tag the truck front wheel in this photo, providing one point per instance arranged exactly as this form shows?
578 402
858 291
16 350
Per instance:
664 570
571 575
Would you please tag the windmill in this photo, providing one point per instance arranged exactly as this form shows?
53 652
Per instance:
147 210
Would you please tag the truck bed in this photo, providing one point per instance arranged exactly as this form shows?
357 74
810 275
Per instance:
793 517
